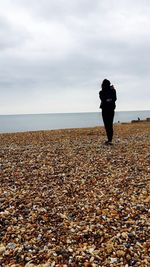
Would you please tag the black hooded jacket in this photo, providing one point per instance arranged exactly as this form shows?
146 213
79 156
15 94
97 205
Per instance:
108 98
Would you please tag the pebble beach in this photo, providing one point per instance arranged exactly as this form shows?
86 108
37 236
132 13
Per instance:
67 199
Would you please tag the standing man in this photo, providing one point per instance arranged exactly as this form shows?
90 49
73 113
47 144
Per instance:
108 97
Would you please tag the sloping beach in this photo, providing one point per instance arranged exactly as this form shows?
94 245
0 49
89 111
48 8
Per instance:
66 199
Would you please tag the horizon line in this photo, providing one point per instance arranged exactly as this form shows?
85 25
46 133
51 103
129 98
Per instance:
21 114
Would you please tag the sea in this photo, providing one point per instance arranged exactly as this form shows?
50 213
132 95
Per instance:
52 121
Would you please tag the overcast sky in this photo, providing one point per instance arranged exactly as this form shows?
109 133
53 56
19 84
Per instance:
54 54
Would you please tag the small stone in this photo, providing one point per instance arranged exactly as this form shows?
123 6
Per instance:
29 264
128 257
147 200
132 262
131 235
27 259
118 235
70 249
11 246
47 264
127 245
91 250
120 253
2 249
39 238
109 247
124 235
113 260
52 264
146 245
91 259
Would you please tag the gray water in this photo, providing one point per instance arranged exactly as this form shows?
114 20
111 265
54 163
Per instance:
36 122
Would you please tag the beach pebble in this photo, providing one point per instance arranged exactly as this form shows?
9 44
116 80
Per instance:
2 249
113 260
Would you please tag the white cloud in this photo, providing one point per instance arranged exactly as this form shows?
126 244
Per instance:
58 49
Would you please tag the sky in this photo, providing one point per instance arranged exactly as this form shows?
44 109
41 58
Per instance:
54 54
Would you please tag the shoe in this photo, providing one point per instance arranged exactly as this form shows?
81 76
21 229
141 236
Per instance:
108 143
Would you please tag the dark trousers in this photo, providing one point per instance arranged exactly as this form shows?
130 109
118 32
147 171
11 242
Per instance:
108 116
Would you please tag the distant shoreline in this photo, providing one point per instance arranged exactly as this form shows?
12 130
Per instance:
84 129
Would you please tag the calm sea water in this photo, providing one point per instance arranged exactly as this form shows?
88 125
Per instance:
35 122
